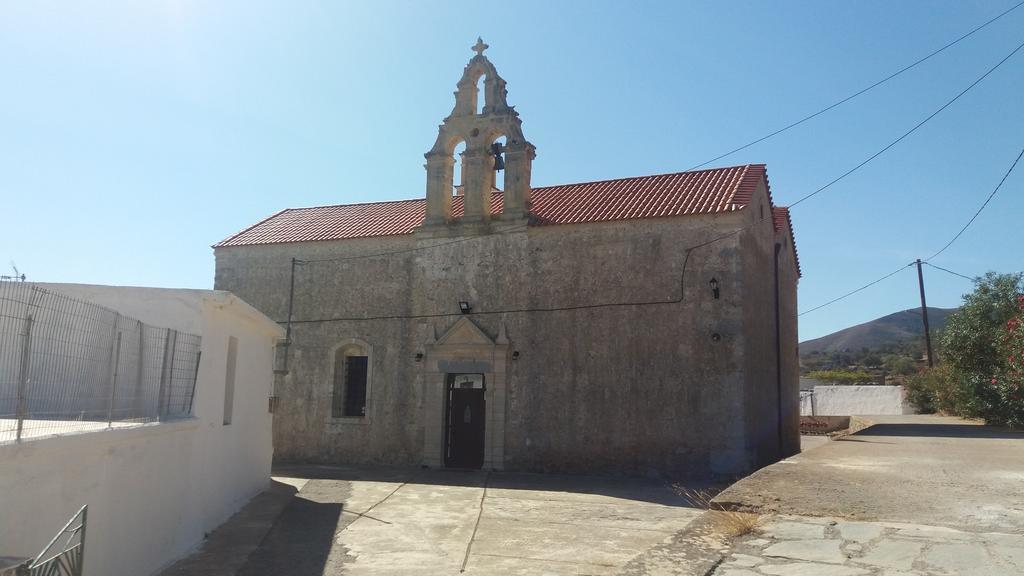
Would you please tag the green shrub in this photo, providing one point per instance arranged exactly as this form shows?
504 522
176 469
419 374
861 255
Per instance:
978 344
982 370
932 390
898 364
1009 379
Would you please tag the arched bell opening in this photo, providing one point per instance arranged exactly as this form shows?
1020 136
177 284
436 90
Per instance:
458 182
480 94
497 149
480 149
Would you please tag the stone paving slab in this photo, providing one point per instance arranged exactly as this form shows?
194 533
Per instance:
811 546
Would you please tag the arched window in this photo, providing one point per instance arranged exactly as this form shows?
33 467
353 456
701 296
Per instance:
458 170
481 94
351 383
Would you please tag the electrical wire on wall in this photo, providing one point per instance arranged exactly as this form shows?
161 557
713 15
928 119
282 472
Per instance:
672 300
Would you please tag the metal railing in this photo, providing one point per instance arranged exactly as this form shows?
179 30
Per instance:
64 555
807 397
67 365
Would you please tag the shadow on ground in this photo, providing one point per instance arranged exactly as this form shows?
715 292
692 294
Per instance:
627 488
300 542
228 547
370 520
930 430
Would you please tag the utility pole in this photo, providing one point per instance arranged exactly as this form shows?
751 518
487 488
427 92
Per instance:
924 316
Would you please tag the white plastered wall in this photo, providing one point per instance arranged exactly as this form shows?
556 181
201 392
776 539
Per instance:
854 401
153 490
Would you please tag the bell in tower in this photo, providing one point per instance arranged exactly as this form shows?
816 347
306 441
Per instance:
483 155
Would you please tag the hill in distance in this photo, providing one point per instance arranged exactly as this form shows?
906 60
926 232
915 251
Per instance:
882 333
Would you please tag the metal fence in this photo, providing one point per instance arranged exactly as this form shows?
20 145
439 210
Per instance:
69 366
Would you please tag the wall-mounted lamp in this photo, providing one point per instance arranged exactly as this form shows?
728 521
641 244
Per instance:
515 354
419 356
465 307
714 287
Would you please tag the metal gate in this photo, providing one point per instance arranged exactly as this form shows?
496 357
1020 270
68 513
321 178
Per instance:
63 555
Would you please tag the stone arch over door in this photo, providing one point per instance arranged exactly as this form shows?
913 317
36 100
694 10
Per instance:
463 349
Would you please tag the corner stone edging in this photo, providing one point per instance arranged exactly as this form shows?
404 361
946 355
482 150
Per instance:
693 551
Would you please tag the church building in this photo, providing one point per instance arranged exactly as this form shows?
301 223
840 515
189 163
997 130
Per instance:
642 325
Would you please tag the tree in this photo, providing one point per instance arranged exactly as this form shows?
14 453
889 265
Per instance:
842 376
930 390
1009 380
897 364
974 344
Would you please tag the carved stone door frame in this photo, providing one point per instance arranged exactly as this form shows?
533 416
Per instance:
463 349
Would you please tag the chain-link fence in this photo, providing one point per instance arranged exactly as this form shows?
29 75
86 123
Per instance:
68 366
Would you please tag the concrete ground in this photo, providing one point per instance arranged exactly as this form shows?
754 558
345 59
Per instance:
228 548
923 469
911 495
370 521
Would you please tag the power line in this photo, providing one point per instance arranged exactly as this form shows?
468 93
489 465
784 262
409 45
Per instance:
925 261
983 204
882 151
688 250
858 93
949 271
852 292
792 205
914 129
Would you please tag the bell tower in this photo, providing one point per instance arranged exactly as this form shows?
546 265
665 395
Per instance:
483 153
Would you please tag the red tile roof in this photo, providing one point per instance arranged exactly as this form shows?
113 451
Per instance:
684 193
782 220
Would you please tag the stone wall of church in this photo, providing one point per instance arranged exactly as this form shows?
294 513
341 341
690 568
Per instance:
677 387
772 407
789 276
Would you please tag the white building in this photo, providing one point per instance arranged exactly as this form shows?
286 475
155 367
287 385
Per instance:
153 489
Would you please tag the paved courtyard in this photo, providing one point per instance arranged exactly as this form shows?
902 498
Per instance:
370 521
924 469
911 495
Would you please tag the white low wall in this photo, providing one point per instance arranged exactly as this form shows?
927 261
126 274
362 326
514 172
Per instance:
148 502
153 490
854 400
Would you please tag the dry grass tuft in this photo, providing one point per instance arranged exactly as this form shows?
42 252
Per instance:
729 522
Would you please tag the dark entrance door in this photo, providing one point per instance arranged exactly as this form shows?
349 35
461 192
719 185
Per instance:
464 418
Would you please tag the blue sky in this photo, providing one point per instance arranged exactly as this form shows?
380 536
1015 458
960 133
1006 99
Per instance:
133 135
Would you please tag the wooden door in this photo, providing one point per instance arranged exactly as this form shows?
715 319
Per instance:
464 446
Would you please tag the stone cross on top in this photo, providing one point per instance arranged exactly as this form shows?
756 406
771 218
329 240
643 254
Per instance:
479 47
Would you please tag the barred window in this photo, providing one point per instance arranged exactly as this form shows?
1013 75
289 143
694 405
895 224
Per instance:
349 389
